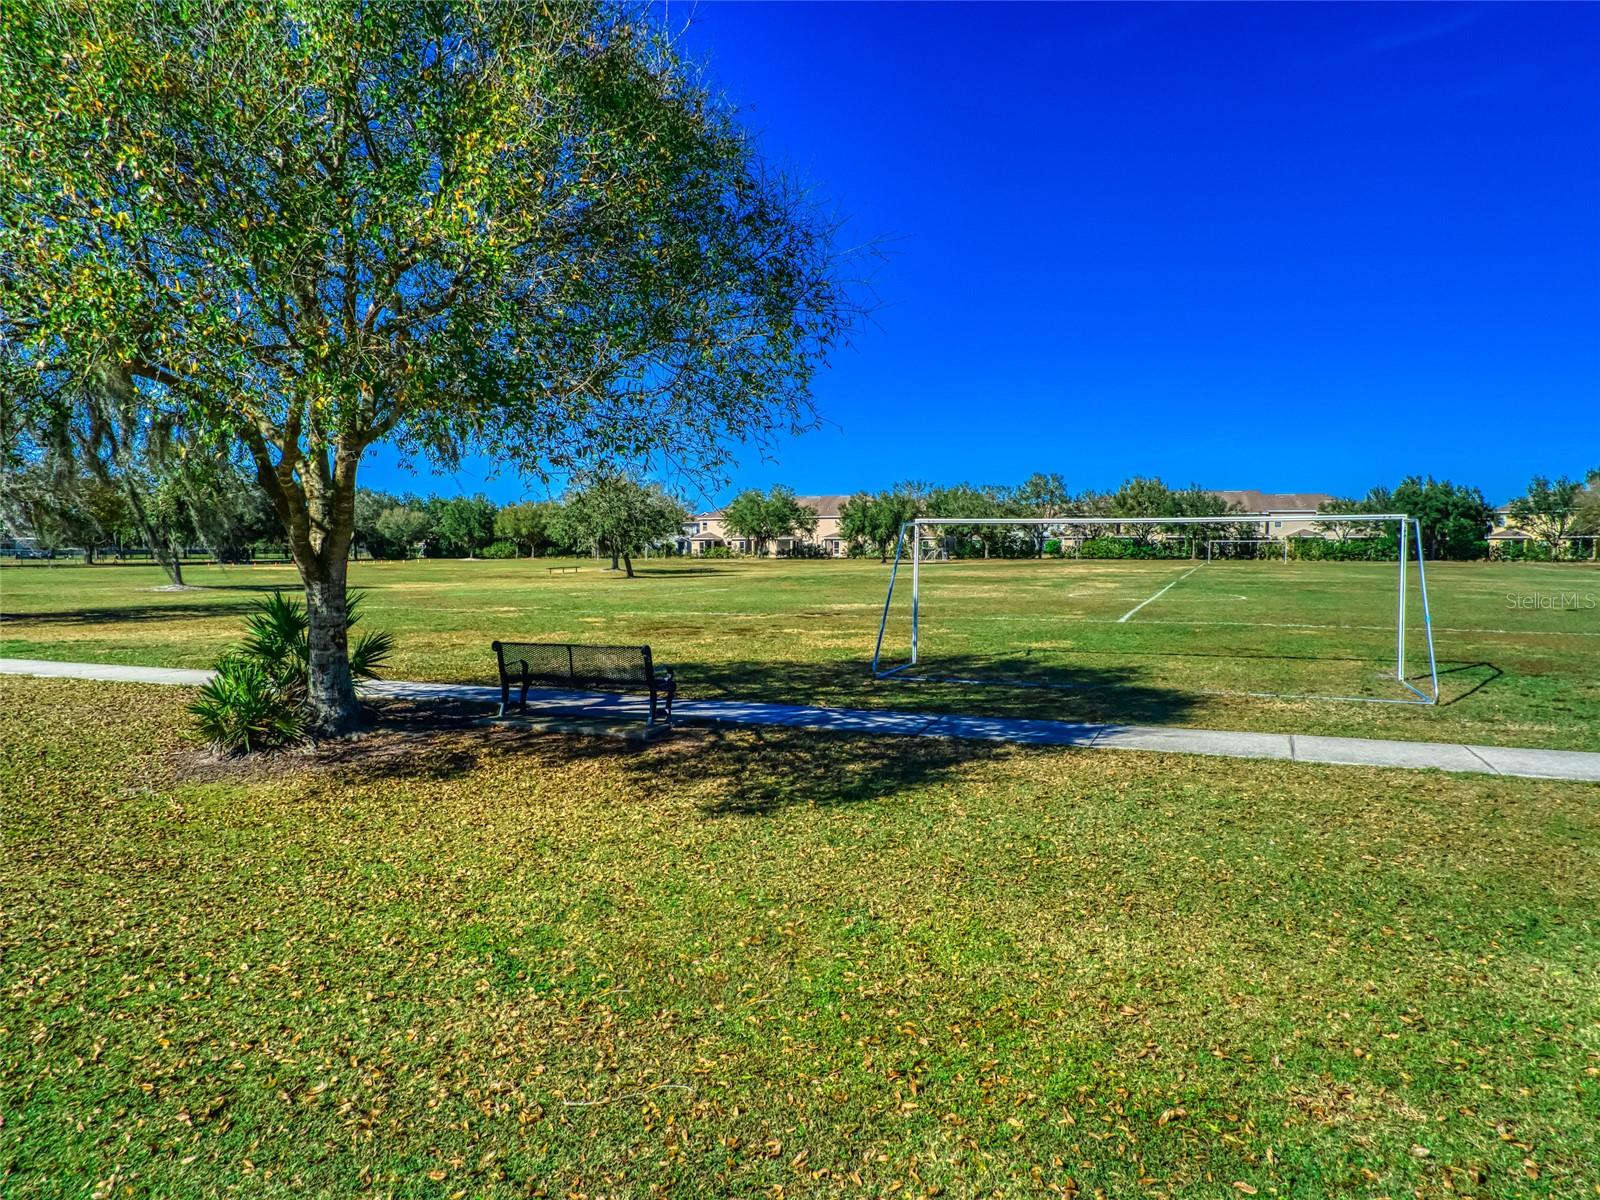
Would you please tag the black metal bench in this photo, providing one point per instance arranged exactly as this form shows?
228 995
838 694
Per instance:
583 669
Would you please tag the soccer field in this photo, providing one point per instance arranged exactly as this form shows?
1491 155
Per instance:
1243 645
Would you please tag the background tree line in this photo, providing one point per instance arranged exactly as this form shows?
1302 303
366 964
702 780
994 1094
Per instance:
62 504
1454 519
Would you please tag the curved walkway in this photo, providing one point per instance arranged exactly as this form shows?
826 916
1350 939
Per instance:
1166 739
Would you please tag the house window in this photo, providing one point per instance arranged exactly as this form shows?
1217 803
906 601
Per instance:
1277 524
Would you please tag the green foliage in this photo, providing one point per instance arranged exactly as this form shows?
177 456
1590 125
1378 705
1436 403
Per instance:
462 524
406 529
1383 546
530 526
1586 509
501 549
803 550
243 709
1549 509
1454 519
258 698
284 234
1042 494
764 517
717 552
1117 547
874 521
618 515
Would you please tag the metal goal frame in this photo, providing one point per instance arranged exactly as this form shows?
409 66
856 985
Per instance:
1409 537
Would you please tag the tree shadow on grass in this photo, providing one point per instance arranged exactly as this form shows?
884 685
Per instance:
971 684
828 756
746 772
762 772
135 613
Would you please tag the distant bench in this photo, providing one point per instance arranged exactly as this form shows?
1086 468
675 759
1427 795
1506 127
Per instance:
583 669
562 570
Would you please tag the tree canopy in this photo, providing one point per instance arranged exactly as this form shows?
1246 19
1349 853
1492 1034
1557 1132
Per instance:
1549 508
764 517
290 231
619 516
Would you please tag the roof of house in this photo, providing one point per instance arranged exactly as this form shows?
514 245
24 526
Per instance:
825 506
1253 501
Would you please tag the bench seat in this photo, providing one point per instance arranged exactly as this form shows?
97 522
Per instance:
570 667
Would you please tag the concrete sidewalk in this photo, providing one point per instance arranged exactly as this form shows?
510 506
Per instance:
1290 747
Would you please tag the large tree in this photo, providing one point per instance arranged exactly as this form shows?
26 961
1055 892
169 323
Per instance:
1454 518
874 520
1548 509
1586 511
618 515
293 230
464 524
529 525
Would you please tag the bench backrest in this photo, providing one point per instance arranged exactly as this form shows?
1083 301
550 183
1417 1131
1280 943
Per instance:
552 664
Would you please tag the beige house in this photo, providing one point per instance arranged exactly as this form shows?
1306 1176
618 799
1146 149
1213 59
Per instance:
706 530
1289 514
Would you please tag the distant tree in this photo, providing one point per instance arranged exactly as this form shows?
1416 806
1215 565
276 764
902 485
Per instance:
1043 495
59 505
619 516
463 524
762 518
408 527
965 500
874 519
1141 497
1548 509
529 525
1586 512
369 509
1337 515
1454 519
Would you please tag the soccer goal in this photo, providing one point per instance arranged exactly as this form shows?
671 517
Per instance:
1175 544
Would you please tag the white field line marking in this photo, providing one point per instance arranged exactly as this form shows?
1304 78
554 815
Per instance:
1159 594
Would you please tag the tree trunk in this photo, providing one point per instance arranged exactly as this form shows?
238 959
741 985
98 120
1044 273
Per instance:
614 556
171 561
331 693
627 562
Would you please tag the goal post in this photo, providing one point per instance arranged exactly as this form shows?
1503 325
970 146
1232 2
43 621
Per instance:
1408 539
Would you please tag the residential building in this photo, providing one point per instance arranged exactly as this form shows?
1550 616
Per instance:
1289 514
706 530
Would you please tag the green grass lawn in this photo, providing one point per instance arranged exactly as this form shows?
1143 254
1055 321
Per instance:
803 631
472 963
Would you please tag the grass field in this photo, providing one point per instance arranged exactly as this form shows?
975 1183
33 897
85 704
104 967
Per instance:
464 963
1512 672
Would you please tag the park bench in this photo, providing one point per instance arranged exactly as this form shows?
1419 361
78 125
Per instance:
562 570
583 669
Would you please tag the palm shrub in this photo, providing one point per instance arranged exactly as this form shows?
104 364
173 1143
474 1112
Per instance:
256 701
242 709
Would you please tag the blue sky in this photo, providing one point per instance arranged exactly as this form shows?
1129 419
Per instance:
1295 247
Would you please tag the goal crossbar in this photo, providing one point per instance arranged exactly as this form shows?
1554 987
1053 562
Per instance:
1408 537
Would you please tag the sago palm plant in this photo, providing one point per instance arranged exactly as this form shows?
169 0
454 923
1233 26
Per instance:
257 698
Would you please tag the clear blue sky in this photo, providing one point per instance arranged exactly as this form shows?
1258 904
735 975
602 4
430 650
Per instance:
1295 247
